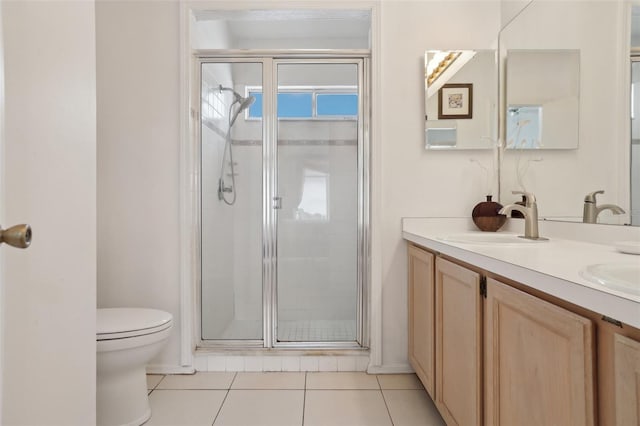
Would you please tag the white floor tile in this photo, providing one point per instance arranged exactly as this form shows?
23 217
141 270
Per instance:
200 380
399 381
184 407
274 380
153 380
345 408
262 408
330 380
412 408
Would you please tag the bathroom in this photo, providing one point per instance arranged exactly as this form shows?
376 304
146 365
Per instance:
109 161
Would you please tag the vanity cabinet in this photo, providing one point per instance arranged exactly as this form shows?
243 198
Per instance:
626 380
539 361
458 344
422 316
491 351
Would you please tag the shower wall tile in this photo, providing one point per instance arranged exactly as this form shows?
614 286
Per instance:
362 363
347 363
272 363
328 363
253 363
291 363
309 363
237 363
234 363
216 363
201 363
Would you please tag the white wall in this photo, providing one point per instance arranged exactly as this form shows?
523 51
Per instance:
563 178
138 150
138 158
415 182
509 9
49 181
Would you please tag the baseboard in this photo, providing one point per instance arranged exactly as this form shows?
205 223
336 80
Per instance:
169 369
390 369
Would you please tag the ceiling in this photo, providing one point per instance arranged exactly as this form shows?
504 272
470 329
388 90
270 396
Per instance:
291 24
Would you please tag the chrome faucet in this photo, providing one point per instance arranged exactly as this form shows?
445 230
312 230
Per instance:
530 213
592 210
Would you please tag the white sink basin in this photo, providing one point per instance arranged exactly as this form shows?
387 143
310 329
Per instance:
623 276
488 238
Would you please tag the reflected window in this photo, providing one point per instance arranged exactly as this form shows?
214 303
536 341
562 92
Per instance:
314 203
524 126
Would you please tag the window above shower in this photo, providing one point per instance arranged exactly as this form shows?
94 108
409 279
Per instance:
309 103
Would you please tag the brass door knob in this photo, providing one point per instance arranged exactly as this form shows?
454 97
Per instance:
17 236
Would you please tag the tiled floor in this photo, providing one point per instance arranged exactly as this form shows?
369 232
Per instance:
282 399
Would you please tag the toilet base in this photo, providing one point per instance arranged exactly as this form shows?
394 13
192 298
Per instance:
122 399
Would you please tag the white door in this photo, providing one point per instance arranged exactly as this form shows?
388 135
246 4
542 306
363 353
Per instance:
48 166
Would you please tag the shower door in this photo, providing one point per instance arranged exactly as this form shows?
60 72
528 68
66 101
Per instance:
283 202
231 153
317 201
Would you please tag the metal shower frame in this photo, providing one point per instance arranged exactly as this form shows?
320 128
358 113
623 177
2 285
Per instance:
270 60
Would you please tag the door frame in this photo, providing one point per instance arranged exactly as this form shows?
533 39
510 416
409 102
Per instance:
2 213
188 314
270 59
360 58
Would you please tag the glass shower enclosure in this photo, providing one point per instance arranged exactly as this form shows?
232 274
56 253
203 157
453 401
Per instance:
283 201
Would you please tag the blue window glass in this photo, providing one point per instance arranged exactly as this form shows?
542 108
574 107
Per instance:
300 105
337 104
255 110
295 105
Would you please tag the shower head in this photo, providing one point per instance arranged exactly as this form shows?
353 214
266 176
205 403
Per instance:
243 102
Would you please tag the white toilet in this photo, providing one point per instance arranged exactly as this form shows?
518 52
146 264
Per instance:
127 339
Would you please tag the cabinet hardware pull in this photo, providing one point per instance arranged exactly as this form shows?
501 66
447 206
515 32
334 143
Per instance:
612 321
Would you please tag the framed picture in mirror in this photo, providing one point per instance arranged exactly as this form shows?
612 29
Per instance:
455 101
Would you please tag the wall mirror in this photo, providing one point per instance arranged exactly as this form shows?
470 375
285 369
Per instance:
588 46
461 99
543 92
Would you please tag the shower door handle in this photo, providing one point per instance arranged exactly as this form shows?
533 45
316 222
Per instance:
277 203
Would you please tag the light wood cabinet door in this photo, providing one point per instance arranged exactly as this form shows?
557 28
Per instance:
539 361
458 344
421 316
627 380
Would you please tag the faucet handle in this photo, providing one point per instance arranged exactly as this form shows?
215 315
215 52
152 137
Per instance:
591 197
531 199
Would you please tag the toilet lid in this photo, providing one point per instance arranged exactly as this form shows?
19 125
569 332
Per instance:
114 323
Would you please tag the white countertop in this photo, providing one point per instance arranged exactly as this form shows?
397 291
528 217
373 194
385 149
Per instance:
552 267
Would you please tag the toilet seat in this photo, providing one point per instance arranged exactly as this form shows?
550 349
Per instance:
122 323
